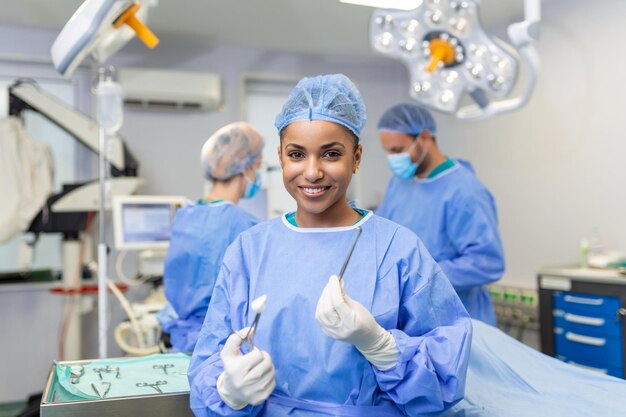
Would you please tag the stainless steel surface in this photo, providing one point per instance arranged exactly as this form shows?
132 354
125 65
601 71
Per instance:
153 405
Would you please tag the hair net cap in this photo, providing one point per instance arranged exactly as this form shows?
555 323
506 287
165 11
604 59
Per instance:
407 118
230 150
333 98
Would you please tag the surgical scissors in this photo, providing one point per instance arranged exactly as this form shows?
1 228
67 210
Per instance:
163 367
154 385
345 264
107 370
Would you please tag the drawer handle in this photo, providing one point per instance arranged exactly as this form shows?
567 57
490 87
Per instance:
591 321
581 300
590 368
587 340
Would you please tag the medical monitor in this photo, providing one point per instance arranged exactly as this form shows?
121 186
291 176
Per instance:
144 222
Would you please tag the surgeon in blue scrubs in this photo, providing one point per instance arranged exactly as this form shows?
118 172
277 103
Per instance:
444 203
391 338
202 231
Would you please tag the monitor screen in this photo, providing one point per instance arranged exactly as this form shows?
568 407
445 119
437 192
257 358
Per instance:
144 222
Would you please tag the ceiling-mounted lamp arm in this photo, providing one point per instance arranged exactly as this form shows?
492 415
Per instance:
523 35
531 58
526 32
24 96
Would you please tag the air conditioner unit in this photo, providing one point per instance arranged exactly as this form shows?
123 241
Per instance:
170 90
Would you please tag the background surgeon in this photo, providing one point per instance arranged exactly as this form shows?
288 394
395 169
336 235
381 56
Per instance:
444 203
390 339
231 158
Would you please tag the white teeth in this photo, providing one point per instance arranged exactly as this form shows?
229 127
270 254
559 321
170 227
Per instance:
313 190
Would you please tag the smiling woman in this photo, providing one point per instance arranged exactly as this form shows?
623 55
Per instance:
358 346
318 159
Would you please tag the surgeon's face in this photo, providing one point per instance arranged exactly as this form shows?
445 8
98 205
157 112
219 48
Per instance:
318 159
396 142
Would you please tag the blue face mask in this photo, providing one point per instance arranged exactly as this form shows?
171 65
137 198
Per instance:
401 164
253 187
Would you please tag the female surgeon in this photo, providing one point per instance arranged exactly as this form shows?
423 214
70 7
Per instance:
202 231
390 338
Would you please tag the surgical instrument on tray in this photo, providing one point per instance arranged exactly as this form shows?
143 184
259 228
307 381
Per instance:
164 367
154 385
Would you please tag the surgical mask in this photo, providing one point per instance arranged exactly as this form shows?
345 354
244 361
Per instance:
401 164
253 187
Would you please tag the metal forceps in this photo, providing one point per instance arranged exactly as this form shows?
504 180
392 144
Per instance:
108 385
163 367
345 264
154 385
258 305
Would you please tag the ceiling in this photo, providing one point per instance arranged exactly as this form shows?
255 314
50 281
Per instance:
308 26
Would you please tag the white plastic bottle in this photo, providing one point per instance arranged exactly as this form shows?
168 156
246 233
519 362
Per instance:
110 105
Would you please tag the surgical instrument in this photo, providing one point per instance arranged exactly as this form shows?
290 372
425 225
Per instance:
154 385
108 384
107 370
345 264
163 367
257 305
76 372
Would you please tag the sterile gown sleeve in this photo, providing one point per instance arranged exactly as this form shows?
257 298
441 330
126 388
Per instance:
472 227
433 337
206 364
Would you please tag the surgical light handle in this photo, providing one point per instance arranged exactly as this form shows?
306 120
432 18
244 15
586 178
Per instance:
523 35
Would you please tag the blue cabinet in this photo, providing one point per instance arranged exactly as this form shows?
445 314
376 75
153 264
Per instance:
582 319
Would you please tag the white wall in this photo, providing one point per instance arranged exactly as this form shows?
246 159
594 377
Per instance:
557 167
168 144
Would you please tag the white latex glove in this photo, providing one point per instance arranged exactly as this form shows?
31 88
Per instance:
342 318
247 379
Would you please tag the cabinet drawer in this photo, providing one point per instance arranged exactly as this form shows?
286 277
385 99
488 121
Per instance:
586 304
589 350
616 372
610 326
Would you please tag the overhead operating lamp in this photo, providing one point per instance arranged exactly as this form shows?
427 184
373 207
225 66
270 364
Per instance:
449 56
98 29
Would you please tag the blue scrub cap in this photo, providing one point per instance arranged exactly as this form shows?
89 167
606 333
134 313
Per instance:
333 98
230 150
407 118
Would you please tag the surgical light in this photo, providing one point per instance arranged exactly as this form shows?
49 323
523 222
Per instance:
98 29
448 55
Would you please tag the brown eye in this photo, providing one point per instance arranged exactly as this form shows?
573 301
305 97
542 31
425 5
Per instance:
332 154
295 155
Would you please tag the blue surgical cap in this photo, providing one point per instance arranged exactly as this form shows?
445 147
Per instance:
230 150
407 118
333 98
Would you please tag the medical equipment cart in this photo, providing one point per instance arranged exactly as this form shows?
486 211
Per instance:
582 317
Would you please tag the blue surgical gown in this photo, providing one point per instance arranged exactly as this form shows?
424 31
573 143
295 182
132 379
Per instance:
200 236
455 216
391 273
